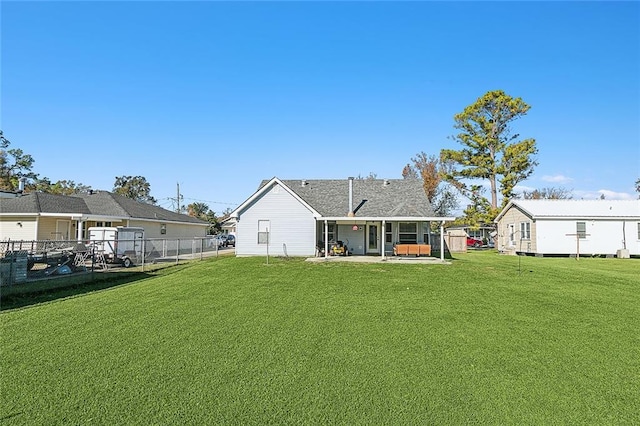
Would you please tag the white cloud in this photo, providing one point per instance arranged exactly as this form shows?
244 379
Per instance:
608 195
557 179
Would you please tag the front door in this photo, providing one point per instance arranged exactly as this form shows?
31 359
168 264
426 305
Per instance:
373 243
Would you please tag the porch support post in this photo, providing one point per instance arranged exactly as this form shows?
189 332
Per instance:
383 238
79 224
326 239
442 241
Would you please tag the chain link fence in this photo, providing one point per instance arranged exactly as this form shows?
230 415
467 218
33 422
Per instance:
27 261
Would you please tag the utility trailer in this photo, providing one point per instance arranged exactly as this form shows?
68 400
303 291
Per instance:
118 244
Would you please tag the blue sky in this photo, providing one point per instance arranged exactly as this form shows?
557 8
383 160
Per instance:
217 96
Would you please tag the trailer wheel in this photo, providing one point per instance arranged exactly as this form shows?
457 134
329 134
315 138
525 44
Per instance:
127 262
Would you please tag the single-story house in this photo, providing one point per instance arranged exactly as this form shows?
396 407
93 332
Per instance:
43 216
303 217
228 226
569 227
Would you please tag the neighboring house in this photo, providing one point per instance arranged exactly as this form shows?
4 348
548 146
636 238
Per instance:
302 217
228 226
567 227
43 216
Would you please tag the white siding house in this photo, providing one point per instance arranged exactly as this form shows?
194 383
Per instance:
303 217
288 223
567 227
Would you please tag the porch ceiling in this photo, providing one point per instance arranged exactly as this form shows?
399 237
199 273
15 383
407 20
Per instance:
360 220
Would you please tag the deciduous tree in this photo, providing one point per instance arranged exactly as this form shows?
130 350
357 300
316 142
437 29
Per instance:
490 151
14 165
202 211
430 170
62 187
135 187
550 193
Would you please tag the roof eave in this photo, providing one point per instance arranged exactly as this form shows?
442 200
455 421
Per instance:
389 218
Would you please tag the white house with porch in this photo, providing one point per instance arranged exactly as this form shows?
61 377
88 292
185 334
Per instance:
305 217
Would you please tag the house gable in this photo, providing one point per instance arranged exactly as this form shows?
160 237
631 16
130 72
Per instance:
267 186
289 221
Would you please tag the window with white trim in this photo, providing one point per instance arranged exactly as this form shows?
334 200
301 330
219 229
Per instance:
388 234
581 229
408 232
525 230
331 233
264 228
511 232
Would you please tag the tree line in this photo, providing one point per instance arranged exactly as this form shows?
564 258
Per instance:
17 166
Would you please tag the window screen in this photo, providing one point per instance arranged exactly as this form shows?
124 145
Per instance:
264 227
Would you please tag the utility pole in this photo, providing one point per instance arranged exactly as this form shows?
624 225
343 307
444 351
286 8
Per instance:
178 197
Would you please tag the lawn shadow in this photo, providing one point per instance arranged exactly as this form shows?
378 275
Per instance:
40 294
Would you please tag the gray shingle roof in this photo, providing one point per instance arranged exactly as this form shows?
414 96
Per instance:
37 202
330 198
100 203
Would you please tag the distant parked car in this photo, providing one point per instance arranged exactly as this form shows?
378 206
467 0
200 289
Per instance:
231 240
474 242
220 240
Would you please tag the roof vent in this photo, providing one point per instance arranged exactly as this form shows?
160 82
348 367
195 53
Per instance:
303 182
386 182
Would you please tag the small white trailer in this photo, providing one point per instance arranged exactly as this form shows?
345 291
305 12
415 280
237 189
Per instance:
118 244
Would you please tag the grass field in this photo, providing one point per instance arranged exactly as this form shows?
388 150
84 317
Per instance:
236 341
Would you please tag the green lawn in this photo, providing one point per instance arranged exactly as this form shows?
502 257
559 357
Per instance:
236 341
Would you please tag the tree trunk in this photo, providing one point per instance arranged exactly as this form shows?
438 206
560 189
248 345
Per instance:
494 192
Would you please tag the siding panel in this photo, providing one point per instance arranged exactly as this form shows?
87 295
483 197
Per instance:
291 223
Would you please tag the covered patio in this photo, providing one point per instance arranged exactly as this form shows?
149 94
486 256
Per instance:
375 237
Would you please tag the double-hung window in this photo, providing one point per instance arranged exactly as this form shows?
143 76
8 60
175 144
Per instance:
525 230
388 235
331 232
408 232
581 229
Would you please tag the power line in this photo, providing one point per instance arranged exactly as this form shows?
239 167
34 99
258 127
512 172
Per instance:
212 202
